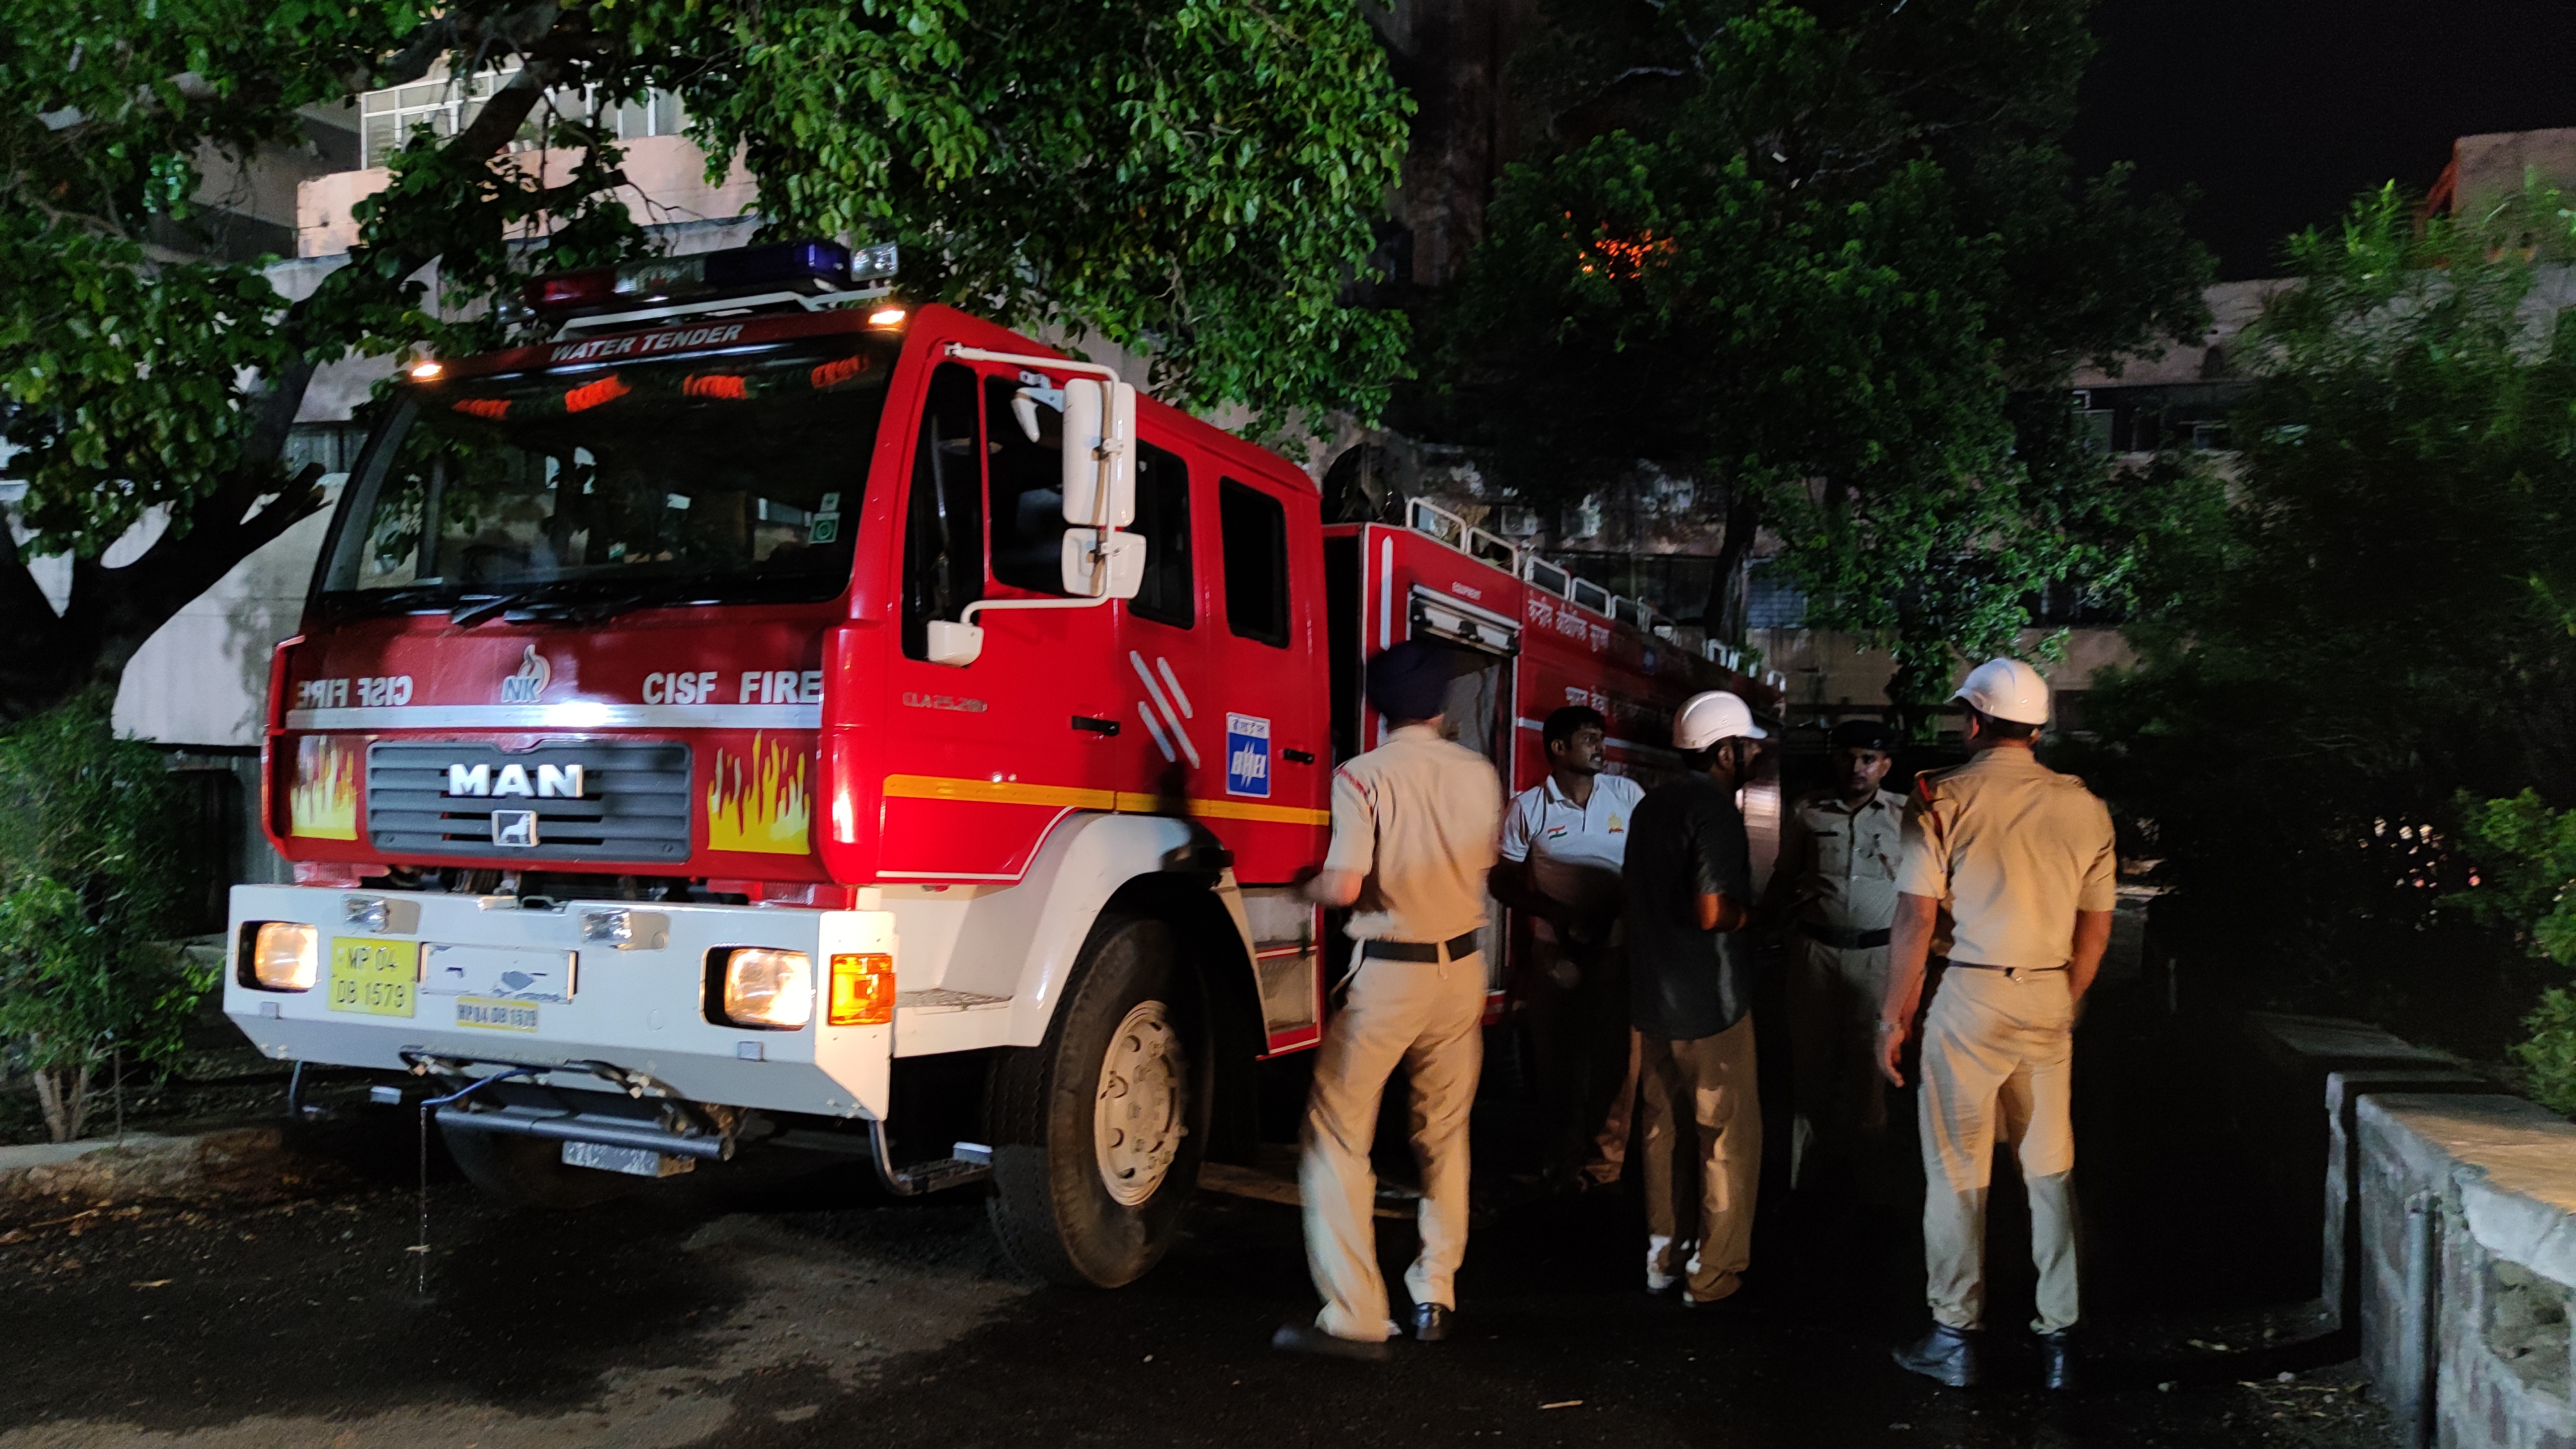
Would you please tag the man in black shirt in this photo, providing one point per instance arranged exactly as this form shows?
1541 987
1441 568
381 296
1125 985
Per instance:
1690 895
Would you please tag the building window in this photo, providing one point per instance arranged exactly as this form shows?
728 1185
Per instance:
445 105
1255 526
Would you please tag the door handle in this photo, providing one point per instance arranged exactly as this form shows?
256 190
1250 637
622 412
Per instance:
1298 757
1095 724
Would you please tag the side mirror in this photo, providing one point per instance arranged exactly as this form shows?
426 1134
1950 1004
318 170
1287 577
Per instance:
1093 559
954 643
1099 427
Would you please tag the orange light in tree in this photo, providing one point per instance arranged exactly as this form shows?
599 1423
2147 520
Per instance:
1625 257
862 990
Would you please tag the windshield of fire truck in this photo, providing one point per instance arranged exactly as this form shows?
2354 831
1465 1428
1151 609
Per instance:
702 480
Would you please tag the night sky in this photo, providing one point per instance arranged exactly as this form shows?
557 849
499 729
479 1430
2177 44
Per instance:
2278 111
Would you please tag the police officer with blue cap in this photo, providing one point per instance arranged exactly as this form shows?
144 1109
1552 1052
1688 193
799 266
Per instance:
1415 822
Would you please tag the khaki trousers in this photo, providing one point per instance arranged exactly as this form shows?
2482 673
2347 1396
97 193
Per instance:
1427 1016
1998 1064
1703 1157
1840 1124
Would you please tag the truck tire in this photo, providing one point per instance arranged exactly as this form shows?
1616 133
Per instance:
1098 1132
531 1172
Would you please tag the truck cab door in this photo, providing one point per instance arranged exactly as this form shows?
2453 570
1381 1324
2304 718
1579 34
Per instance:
984 758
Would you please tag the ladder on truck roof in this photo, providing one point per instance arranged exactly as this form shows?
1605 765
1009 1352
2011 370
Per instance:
1439 524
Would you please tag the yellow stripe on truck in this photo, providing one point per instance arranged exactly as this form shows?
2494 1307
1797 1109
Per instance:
1073 797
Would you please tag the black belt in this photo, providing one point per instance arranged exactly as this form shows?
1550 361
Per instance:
1946 962
1459 948
1844 940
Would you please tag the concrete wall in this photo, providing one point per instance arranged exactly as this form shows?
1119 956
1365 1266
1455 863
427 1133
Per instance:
2487 167
2468 1244
1827 669
667 176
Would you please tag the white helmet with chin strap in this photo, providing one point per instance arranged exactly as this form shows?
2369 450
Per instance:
1704 719
2006 689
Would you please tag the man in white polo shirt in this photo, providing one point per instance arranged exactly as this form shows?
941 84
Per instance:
1564 841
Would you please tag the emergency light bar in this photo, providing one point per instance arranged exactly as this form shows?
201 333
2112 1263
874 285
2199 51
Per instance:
808 264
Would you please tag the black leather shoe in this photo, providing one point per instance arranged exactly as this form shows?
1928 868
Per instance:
1306 1338
1945 1355
1431 1322
2057 1365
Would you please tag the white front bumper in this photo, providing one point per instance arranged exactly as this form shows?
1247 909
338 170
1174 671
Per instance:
643 1010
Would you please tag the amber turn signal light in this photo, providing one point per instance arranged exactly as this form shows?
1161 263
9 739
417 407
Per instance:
862 990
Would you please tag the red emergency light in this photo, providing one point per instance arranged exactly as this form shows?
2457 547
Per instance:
805 265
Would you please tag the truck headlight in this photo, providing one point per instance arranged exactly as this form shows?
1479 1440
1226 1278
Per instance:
768 990
284 956
862 990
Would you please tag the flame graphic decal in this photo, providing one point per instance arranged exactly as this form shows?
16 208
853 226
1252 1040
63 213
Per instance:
759 802
323 805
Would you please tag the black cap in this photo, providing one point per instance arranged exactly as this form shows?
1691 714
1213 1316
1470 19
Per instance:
1411 680
1863 734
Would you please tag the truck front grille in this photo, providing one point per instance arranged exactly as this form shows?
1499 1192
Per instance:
633 803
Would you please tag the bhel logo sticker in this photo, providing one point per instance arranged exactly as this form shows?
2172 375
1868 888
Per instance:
1247 755
529 683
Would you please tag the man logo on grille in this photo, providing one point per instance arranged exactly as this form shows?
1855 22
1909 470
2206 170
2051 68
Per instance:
515 829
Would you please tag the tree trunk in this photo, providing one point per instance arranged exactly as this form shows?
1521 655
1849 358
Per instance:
64 1094
1729 594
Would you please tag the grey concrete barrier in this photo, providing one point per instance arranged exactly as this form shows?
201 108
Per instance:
2467 1210
2296 1098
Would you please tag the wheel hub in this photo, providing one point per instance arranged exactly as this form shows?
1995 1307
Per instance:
1136 1125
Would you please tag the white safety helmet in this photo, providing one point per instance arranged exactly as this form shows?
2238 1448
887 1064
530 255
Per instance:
1716 715
2006 689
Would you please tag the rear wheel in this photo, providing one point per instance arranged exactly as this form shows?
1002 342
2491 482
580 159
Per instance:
531 1171
1098 1132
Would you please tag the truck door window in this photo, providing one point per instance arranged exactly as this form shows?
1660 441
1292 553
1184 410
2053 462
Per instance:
1170 592
1028 495
1255 526
943 536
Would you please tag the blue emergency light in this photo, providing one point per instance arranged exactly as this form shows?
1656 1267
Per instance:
808 264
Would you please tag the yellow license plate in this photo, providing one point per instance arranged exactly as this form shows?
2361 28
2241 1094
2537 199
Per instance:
380 978
492 1015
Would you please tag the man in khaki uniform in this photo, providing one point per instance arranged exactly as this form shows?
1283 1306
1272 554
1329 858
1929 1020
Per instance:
1834 890
1414 828
2009 875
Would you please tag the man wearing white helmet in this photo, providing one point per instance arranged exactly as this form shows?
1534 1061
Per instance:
2007 885
1689 874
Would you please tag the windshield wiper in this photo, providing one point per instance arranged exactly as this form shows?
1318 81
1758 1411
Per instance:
591 612
466 616
527 606
378 601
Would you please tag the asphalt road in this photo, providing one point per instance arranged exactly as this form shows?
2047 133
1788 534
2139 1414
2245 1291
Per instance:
817 1316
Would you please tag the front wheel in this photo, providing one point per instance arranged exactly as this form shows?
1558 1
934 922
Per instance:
1098 1132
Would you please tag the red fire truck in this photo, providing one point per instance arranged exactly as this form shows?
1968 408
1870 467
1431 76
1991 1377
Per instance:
772 715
